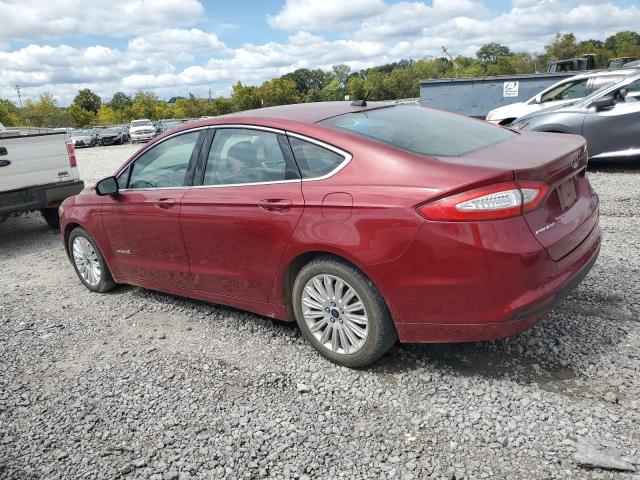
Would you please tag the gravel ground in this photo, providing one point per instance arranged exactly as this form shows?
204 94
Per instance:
139 384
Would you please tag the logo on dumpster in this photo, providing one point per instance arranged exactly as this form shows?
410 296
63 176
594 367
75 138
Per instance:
510 89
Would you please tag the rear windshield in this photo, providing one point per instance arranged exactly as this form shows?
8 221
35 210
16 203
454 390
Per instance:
421 130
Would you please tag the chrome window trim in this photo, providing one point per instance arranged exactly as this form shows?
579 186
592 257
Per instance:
346 155
146 149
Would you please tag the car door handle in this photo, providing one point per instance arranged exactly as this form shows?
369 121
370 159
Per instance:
162 202
3 151
275 205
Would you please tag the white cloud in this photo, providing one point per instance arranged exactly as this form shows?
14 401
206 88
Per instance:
31 20
324 14
176 44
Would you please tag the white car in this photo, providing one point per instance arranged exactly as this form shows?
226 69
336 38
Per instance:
565 91
141 130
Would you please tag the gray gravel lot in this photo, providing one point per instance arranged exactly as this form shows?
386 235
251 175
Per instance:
139 384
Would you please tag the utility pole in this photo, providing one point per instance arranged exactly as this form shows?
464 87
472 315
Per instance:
456 67
19 97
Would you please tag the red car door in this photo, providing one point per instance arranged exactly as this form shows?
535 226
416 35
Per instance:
237 224
143 222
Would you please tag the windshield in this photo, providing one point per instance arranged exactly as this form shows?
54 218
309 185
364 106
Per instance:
421 130
109 131
141 123
82 132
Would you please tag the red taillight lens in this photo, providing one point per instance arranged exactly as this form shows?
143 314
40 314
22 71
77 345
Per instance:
503 200
72 155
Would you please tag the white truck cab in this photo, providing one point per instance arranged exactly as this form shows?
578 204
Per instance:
37 172
141 130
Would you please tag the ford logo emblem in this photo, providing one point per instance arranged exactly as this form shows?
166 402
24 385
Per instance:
574 162
4 163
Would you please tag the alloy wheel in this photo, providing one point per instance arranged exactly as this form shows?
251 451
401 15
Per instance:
86 261
335 314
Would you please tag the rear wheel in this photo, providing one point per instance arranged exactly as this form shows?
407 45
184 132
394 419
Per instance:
52 217
88 262
341 313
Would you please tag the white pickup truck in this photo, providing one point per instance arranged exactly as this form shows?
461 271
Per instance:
37 172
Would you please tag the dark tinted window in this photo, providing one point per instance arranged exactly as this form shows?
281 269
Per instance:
165 164
422 130
241 155
313 160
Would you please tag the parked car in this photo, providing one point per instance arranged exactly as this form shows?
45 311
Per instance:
565 91
141 130
170 124
363 223
111 136
609 119
37 172
83 138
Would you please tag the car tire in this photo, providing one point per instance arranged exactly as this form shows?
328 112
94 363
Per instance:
334 323
51 216
88 262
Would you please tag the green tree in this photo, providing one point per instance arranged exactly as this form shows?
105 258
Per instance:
277 92
563 46
492 52
144 105
87 100
9 114
244 97
120 101
341 72
80 117
623 44
333 91
402 83
44 112
356 88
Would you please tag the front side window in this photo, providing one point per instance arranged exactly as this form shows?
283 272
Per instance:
313 160
164 165
567 91
242 155
421 130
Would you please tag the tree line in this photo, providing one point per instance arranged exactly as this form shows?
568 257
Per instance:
385 82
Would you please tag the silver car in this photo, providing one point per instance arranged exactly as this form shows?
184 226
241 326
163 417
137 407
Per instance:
609 119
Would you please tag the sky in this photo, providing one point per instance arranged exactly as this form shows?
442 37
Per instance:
174 47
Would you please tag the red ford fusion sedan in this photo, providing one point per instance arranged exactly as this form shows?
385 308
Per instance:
364 224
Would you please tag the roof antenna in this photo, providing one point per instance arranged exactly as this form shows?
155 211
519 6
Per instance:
361 103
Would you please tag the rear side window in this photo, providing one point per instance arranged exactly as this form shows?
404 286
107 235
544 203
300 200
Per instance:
421 130
240 156
314 160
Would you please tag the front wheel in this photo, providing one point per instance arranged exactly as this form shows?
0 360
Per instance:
51 216
341 313
88 262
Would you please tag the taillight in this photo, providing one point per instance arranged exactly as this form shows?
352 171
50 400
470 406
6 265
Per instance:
503 200
72 155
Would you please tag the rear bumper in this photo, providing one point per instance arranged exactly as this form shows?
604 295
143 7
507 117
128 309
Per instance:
35 198
478 281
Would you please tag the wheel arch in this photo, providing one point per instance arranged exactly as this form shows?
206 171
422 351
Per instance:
296 264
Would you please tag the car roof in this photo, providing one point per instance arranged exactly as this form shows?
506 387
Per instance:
304 112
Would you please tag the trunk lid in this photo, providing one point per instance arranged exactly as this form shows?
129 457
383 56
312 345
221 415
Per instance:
569 211
32 160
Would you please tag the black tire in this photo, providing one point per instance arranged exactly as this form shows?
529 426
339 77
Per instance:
52 217
106 282
382 334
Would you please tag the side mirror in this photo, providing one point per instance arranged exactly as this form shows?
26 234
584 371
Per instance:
538 98
603 102
107 186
